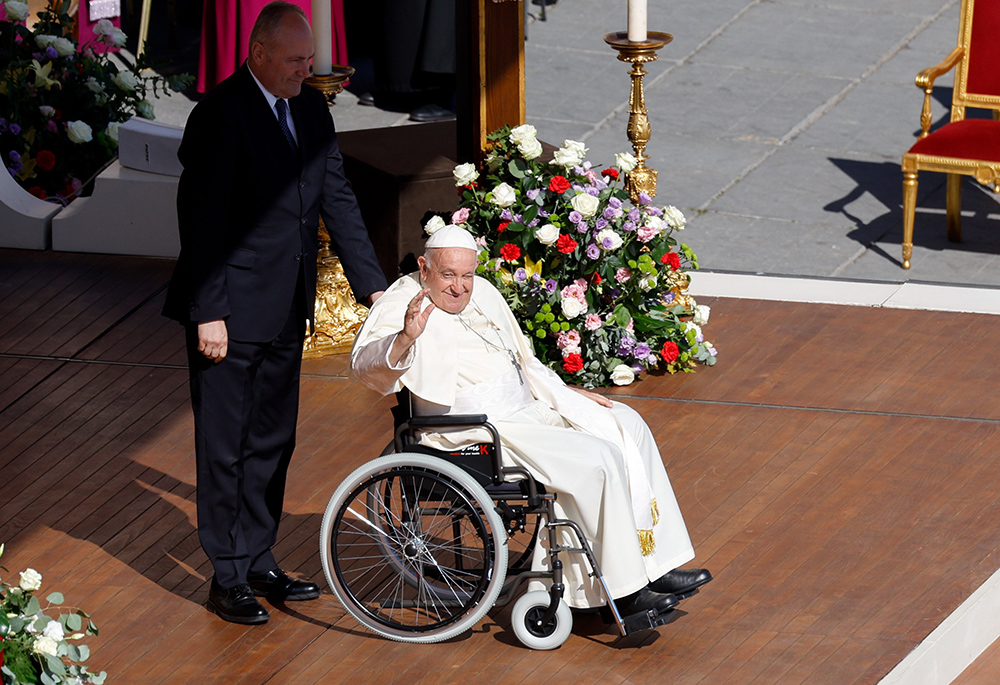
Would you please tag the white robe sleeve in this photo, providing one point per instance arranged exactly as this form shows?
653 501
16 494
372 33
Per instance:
370 365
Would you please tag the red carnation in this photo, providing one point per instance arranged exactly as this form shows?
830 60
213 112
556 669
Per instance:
510 252
613 173
595 278
37 192
670 351
45 160
671 259
503 226
572 363
558 184
565 244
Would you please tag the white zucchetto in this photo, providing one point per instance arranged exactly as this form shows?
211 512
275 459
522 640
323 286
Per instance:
452 236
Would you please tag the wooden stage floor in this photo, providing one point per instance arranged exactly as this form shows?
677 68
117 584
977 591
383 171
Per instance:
837 470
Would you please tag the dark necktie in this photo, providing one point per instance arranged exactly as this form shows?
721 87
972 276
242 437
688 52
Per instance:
282 108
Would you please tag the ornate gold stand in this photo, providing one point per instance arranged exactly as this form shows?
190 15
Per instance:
331 84
642 179
338 315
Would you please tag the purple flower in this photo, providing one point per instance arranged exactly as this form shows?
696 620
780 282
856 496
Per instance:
593 251
14 156
582 227
39 55
520 275
15 129
655 211
533 223
633 214
668 297
506 215
542 213
551 285
517 218
638 368
15 168
600 184
641 350
533 194
712 351
628 226
611 213
600 224
51 126
575 217
626 345
607 244
51 53
592 191
536 277
12 172
614 202
615 292
644 199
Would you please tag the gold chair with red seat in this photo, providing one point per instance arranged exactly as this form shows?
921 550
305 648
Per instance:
969 147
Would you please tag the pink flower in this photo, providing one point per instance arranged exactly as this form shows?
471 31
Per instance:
646 233
592 322
582 282
575 292
461 216
569 338
622 275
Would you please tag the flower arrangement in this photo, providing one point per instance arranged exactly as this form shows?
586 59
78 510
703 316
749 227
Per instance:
35 647
61 104
597 284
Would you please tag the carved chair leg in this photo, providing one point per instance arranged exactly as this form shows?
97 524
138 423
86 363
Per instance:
909 209
953 193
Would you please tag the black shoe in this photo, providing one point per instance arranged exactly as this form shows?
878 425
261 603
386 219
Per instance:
547 3
644 600
278 587
366 99
236 604
431 113
681 581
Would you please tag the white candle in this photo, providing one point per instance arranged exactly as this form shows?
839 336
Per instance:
637 20
323 37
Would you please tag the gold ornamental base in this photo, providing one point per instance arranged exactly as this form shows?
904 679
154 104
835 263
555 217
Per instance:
331 84
642 179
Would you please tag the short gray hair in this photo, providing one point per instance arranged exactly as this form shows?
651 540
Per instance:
265 29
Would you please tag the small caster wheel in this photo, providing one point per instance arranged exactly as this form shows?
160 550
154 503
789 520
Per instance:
525 617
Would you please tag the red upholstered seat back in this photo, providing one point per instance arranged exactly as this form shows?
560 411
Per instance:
984 49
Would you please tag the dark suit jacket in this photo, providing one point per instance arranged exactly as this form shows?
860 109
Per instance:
248 207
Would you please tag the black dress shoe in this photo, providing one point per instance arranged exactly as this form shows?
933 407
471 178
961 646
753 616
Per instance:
278 587
644 600
236 604
366 99
681 581
431 113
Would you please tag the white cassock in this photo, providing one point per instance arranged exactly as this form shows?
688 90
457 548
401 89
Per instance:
602 463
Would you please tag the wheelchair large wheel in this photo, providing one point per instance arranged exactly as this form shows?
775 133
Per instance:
413 548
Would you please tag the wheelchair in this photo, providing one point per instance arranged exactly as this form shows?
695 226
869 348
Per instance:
419 544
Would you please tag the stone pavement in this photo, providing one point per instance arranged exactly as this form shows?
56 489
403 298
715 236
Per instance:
778 127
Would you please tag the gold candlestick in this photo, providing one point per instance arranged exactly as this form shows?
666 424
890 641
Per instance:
642 179
331 84
337 314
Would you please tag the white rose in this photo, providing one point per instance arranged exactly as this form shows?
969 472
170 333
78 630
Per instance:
16 11
79 132
434 224
648 282
64 46
609 235
654 222
125 80
47 111
44 40
530 149
622 375
54 630
503 196
585 204
464 174
692 326
94 85
31 580
521 134
572 307
104 27
45 645
701 314
547 234
675 218
112 130
144 108
570 154
626 162
117 37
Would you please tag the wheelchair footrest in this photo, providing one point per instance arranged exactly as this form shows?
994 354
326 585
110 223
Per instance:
646 620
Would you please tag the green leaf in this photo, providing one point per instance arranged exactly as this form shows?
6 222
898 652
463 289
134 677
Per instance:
55 598
74 622
33 606
517 167
55 665
622 316
83 651
529 214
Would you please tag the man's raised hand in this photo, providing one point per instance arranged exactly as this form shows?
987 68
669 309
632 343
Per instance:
414 321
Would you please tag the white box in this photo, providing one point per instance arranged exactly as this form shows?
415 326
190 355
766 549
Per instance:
148 146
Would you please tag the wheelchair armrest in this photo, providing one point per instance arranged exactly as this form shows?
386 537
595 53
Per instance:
447 420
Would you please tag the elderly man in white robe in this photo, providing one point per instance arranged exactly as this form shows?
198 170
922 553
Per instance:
464 353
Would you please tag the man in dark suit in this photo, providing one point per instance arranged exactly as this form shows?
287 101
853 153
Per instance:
261 165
